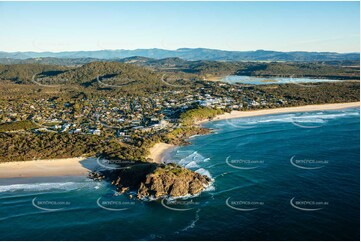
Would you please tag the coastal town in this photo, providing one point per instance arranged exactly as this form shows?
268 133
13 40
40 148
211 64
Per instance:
121 117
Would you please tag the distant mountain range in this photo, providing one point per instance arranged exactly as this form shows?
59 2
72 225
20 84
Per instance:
189 54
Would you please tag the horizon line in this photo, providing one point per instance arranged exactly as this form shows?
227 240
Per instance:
289 51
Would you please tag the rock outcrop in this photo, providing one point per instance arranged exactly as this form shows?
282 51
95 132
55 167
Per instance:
154 181
172 180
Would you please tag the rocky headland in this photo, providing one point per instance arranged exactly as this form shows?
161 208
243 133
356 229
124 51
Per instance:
153 181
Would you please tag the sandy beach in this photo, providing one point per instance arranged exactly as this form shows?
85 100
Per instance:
307 108
157 151
42 168
81 166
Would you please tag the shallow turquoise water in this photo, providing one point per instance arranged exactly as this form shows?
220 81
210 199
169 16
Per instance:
277 177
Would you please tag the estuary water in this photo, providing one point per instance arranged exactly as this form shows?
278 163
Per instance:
276 177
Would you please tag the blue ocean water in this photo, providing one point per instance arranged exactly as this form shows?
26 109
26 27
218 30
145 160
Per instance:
272 80
276 177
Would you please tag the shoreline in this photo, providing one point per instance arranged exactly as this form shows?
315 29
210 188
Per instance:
157 152
79 166
261 112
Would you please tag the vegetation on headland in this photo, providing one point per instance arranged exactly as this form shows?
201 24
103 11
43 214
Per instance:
193 115
180 135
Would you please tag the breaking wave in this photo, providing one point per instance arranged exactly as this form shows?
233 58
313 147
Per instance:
38 187
316 118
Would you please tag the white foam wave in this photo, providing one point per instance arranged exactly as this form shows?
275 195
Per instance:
319 117
192 164
193 136
210 188
37 187
194 157
203 172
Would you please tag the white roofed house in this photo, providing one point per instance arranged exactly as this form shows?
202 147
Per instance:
253 103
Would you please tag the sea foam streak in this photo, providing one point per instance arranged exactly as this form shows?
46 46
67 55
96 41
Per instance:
319 117
193 161
35 187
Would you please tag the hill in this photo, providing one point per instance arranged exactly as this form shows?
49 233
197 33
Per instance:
117 76
24 72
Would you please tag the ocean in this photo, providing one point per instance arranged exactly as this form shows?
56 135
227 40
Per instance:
276 177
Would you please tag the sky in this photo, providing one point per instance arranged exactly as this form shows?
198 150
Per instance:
242 26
